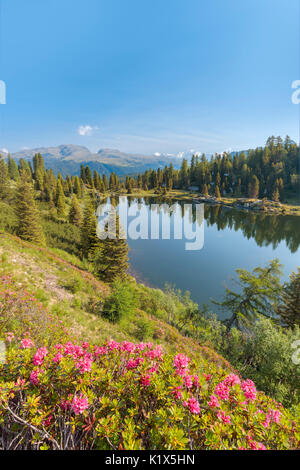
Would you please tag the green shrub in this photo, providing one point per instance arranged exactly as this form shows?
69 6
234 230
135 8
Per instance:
74 284
120 304
144 330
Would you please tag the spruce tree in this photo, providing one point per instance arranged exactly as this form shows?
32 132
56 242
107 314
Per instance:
29 227
4 179
12 169
75 214
88 234
111 258
289 308
60 199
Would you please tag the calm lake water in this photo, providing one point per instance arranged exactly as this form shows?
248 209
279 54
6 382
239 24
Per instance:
232 239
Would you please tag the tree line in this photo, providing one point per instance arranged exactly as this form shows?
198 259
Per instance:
271 171
71 199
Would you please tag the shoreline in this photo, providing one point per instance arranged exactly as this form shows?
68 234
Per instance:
264 206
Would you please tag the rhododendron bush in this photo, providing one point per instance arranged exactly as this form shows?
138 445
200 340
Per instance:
59 393
130 396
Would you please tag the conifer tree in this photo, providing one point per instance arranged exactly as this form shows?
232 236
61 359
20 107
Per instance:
111 258
88 232
75 214
253 188
12 168
4 179
77 187
289 308
60 199
205 190
217 192
29 227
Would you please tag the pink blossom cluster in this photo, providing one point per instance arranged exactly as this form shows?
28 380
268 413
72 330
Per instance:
39 356
26 343
34 376
193 405
249 389
79 404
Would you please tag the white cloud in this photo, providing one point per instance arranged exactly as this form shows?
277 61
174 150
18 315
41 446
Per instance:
4 151
86 130
157 154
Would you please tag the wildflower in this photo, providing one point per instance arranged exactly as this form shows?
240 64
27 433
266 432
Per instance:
57 358
214 402
194 406
9 337
39 356
231 380
84 365
26 343
177 393
145 380
34 376
222 417
188 381
79 404
249 389
181 361
222 391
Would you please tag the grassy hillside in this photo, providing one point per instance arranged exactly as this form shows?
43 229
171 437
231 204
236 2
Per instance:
73 380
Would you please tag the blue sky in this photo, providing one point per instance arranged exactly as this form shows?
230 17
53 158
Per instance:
148 75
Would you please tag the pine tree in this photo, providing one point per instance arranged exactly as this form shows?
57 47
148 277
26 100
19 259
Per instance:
88 232
75 214
4 179
217 192
29 227
111 258
60 199
289 308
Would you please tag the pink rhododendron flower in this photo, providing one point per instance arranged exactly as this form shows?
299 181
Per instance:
100 351
79 404
145 380
177 393
214 402
57 358
26 343
9 337
222 417
188 381
128 346
222 391
193 405
39 356
84 365
181 361
134 363
112 345
34 376
207 377
231 380
249 389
